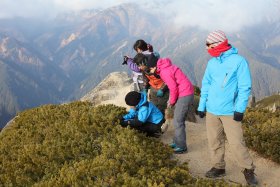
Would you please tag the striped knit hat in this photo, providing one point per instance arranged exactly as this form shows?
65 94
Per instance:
215 38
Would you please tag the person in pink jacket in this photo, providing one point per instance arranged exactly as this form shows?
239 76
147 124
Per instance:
181 96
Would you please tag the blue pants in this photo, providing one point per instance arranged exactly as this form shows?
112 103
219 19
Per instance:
180 114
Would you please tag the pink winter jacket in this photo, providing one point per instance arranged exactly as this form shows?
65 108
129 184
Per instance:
177 82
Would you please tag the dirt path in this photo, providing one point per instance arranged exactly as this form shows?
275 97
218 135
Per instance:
268 173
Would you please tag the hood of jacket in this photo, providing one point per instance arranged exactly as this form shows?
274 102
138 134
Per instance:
163 63
227 53
143 100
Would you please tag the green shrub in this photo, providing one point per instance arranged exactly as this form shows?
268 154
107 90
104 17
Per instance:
78 145
262 132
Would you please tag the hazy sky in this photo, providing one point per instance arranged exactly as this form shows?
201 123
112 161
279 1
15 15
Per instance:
208 14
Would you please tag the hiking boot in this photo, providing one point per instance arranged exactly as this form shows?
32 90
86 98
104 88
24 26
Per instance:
178 150
214 173
172 145
250 177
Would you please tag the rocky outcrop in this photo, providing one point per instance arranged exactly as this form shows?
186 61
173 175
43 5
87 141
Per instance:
111 90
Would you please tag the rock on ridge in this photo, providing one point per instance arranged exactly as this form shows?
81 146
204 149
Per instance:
111 90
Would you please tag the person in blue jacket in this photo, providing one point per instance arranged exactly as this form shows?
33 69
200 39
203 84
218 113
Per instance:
226 86
143 115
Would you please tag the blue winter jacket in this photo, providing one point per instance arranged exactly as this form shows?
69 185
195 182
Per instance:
226 84
145 112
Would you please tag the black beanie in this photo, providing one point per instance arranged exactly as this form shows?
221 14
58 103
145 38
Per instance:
132 98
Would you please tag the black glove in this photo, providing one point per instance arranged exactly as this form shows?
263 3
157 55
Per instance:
117 119
237 116
125 58
201 114
124 123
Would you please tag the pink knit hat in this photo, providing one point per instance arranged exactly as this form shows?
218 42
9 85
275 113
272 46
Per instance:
215 38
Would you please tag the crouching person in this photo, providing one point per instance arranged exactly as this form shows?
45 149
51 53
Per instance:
143 115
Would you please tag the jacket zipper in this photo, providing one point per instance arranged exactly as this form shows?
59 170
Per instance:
223 85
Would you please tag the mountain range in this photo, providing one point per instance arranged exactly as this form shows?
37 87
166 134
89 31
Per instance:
62 59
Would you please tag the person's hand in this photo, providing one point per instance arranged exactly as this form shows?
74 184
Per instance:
124 123
160 93
125 58
170 105
237 116
117 119
201 114
153 70
145 91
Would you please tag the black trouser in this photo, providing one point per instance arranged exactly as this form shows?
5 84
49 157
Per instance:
149 128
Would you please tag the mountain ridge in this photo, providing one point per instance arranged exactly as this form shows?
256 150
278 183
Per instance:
68 56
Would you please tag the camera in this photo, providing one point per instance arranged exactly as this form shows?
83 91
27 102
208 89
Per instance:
125 58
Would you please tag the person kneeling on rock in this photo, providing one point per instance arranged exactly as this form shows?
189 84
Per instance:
143 115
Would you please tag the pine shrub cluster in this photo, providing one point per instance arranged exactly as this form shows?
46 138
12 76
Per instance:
78 144
262 132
